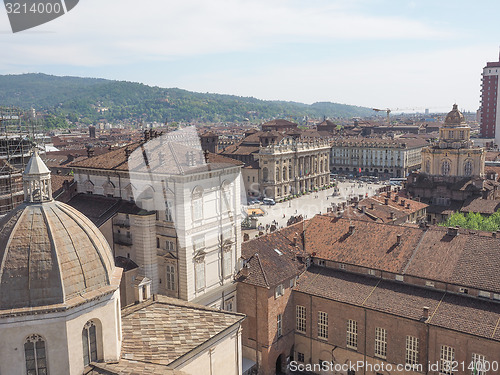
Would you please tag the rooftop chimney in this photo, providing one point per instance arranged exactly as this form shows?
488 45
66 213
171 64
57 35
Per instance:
425 313
392 215
407 205
372 206
403 202
398 239
127 152
245 270
386 201
351 229
494 234
363 209
90 151
452 231
396 198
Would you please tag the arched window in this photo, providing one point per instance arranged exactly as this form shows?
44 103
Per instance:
89 342
427 166
468 168
108 188
445 167
35 355
290 174
265 174
277 174
284 173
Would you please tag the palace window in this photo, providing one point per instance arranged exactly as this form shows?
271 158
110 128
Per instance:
447 357
200 274
380 342
411 350
322 325
279 325
170 277
301 319
478 364
468 168
352 334
35 356
445 167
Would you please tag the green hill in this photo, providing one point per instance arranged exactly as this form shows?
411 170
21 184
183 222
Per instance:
91 99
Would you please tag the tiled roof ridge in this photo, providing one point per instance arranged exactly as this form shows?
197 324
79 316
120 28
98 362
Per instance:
262 269
414 253
164 300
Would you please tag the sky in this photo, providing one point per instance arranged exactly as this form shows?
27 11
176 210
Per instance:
397 54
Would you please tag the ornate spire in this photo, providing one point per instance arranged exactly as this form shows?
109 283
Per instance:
36 180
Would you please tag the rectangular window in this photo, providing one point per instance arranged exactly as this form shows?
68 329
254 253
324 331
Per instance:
447 357
300 357
170 245
352 334
279 291
279 322
170 277
482 293
168 211
478 364
200 275
226 259
228 304
197 208
300 319
322 325
380 342
399 278
411 350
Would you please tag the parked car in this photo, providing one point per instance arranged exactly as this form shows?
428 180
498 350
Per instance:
269 201
253 201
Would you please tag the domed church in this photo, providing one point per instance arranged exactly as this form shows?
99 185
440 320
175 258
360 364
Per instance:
59 287
453 155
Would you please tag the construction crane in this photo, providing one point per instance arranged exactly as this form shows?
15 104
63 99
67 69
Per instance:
384 110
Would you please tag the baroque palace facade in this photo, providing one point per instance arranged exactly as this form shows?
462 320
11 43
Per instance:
282 160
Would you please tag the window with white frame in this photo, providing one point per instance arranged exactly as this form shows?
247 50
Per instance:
200 274
228 304
170 245
478 364
279 325
279 291
411 350
300 319
322 325
168 211
352 334
35 355
170 276
446 360
197 204
226 263
380 342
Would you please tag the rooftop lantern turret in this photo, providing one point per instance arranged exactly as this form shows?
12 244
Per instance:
36 181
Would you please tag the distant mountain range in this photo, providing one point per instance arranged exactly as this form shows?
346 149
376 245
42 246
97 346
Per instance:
90 99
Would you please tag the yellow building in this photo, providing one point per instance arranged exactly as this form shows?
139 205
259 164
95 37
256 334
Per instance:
453 154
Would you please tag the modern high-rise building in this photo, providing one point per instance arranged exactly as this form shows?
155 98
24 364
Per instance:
490 118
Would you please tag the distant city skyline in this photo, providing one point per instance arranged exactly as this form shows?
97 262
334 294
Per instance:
401 55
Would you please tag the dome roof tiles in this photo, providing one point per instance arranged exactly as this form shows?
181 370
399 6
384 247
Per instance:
49 254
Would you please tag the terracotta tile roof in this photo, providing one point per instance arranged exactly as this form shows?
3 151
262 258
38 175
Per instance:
469 259
483 206
460 313
57 182
162 331
328 238
272 259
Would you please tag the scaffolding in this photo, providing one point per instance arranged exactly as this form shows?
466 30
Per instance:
17 139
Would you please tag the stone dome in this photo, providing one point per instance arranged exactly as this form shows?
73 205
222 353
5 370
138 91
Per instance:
455 117
50 253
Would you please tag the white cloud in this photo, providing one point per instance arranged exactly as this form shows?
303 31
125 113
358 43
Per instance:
113 31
